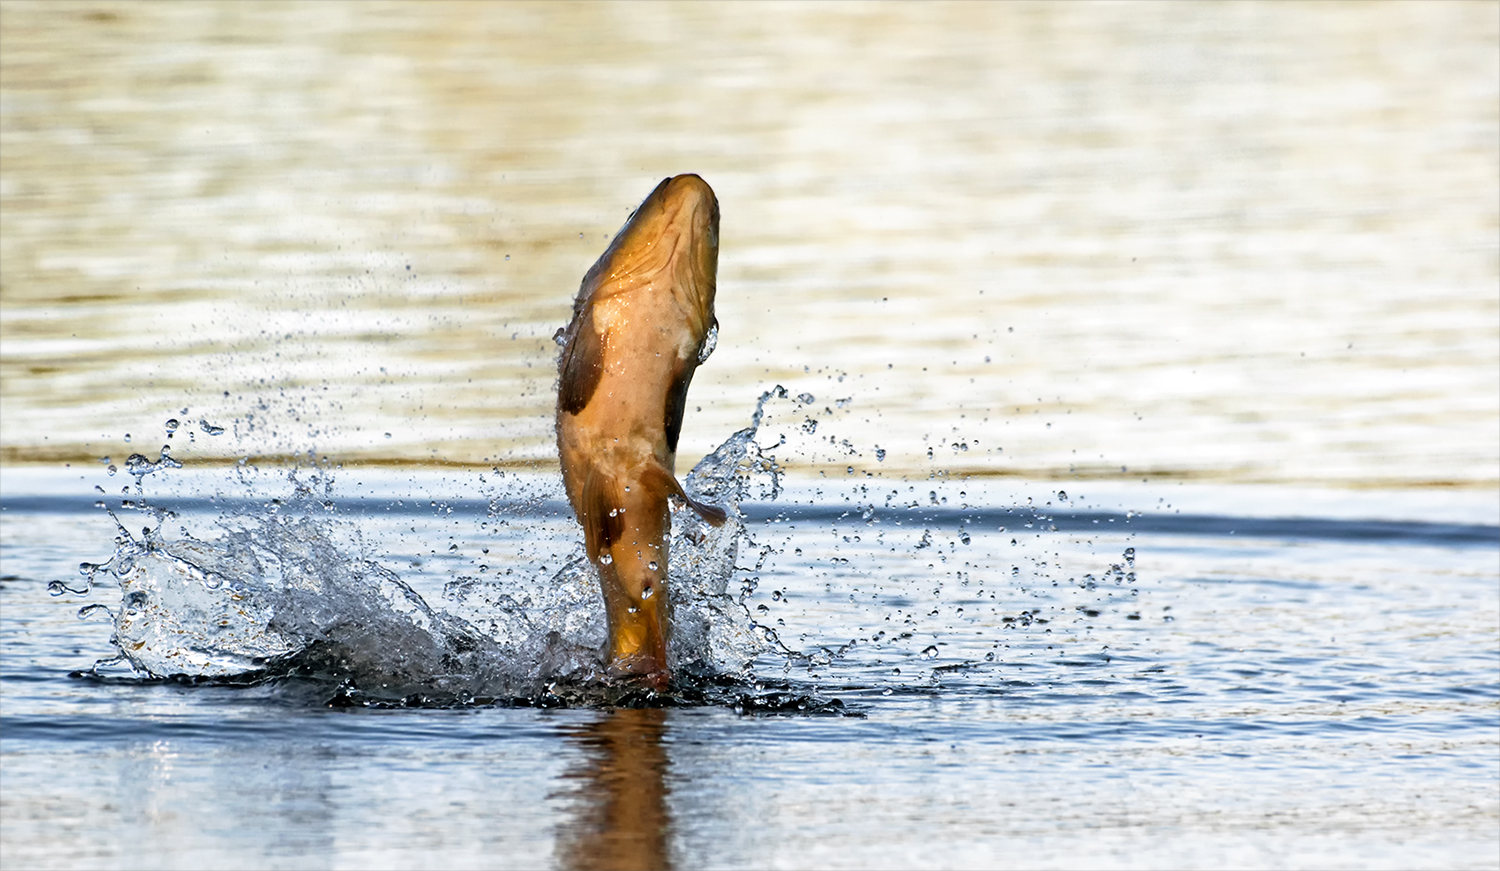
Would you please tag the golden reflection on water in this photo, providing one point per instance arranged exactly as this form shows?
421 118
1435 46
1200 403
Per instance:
1245 242
621 819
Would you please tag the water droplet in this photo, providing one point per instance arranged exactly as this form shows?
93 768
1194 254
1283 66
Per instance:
1062 495
880 455
776 596
809 426
989 657
135 601
127 437
647 592
762 609
452 548
561 336
111 470
632 610
710 341
652 565
209 428
172 424
606 558
930 652
806 398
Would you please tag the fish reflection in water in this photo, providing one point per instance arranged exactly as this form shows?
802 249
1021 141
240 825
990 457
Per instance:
620 819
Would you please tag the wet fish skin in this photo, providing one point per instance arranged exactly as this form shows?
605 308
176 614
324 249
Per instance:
640 322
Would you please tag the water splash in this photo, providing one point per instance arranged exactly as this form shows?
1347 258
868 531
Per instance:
292 591
139 466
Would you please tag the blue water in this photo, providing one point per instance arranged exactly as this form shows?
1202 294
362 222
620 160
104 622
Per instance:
1090 686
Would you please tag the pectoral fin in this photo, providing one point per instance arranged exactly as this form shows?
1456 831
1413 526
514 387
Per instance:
677 403
599 513
582 364
656 476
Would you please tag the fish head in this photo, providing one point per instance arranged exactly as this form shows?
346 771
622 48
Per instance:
670 243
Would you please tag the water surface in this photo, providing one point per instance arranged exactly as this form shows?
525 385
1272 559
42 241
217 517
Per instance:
1090 685
1141 427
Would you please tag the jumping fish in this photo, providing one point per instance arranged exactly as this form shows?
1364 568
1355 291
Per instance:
642 322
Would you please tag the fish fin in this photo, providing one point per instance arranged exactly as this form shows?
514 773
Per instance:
582 363
655 476
598 511
677 403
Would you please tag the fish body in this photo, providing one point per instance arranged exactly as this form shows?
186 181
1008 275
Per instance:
642 321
